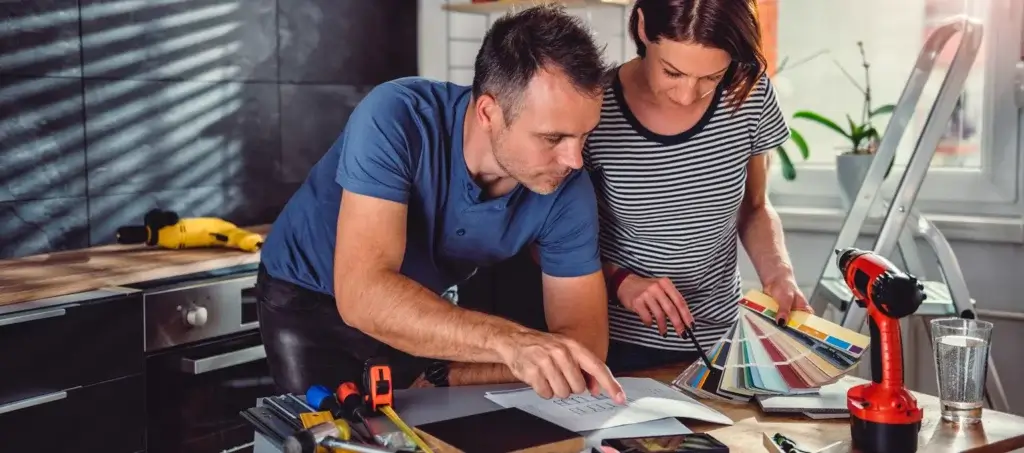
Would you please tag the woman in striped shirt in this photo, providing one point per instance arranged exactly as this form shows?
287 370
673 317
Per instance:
680 162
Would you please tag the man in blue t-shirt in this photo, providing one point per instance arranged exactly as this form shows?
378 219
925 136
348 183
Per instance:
428 182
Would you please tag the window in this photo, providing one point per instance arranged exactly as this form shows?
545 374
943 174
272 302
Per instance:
975 171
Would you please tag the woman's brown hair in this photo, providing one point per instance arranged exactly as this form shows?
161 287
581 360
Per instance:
729 25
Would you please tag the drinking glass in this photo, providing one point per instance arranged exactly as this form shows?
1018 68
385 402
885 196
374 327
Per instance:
961 348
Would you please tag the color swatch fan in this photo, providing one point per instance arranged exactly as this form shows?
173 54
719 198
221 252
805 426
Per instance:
757 356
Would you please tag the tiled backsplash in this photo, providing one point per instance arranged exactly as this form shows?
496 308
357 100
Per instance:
449 40
218 108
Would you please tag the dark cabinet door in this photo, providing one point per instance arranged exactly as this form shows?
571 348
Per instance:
53 349
102 418
195 395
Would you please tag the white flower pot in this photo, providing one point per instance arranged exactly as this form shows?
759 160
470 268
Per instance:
850 172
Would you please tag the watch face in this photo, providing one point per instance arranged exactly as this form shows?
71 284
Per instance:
437 374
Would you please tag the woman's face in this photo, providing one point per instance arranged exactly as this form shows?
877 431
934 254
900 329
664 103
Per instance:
684 73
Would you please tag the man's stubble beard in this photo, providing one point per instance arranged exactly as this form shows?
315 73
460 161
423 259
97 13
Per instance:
502 156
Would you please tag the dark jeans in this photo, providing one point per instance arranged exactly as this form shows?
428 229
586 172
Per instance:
307 342
626 357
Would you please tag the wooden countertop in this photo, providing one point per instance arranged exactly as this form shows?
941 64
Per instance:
1000 432
74 271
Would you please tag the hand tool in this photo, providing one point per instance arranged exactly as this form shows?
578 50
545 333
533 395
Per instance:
352 406
320 398
307 440
166 229
884 415
380 398
338 446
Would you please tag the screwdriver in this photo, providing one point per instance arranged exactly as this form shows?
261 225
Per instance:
352 406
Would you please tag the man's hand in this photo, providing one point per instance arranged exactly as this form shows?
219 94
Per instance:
787 293
421 382
555 365
654 299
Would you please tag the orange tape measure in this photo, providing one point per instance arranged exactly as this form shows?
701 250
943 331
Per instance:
379 391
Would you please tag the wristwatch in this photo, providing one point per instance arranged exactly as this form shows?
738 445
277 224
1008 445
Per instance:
437 374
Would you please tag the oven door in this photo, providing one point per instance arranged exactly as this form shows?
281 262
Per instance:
195 393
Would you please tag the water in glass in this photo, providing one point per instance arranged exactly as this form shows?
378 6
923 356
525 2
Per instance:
961 355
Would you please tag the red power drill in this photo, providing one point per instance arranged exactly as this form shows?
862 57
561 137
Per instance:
885 416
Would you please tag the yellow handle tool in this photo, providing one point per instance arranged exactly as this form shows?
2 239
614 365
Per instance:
393 416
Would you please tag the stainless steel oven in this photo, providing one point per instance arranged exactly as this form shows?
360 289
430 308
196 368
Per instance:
204 362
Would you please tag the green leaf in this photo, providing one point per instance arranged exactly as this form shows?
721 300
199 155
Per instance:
854 128
888 108
872 134
788 170
800 143
811 116
856 133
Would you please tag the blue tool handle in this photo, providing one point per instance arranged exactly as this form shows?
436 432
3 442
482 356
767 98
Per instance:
317 395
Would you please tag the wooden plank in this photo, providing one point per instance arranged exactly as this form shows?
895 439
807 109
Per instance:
935 435
502 6
768 16
61 273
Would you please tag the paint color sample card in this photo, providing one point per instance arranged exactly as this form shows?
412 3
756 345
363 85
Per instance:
757 358
831 334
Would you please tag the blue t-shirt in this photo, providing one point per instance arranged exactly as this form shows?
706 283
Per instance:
403 142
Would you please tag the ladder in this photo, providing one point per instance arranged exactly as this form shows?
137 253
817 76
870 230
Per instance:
948 296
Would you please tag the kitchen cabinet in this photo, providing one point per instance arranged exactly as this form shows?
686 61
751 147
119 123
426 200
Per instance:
72 375
101 417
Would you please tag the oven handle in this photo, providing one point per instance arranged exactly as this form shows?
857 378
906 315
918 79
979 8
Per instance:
221 361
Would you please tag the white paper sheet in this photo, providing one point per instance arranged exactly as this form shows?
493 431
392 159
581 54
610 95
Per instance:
648 400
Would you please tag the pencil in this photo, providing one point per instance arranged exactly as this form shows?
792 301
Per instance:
700 350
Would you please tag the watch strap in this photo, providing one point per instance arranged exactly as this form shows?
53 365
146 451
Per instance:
437 374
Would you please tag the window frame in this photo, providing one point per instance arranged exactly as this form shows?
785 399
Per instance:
992 191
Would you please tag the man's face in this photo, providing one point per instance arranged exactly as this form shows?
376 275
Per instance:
544 141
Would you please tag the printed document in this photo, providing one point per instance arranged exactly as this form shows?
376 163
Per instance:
647 400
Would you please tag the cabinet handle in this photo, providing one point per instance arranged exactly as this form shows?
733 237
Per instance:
34 401
221 361
32 316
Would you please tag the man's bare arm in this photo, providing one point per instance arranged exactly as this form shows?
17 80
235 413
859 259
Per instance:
375 298
576 307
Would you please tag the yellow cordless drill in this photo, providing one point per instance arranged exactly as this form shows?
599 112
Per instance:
168 230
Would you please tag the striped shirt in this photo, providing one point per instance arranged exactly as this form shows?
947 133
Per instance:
669 205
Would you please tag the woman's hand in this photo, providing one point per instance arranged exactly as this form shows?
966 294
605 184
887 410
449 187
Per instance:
654 299
787 293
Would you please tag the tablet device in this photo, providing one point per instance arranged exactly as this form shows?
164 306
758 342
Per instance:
676 443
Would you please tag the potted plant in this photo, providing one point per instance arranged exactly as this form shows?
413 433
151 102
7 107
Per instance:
862 137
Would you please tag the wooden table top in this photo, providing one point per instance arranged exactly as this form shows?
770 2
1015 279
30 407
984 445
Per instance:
1000 432
74 271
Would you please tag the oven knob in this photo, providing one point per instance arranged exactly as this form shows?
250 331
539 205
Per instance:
195 316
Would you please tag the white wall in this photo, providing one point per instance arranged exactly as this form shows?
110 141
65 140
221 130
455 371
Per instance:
451 58
993 271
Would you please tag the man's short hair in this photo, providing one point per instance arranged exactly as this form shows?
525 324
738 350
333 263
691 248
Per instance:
519 44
